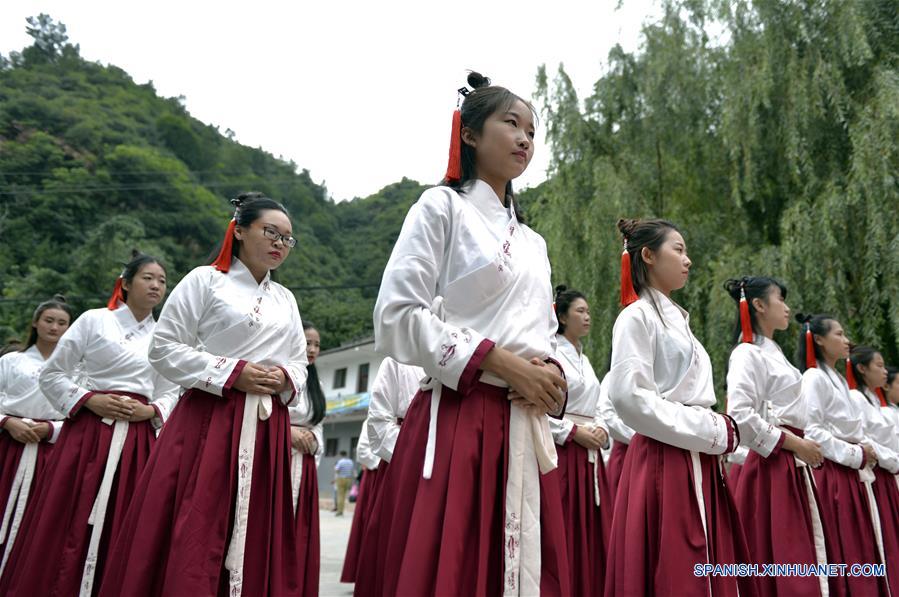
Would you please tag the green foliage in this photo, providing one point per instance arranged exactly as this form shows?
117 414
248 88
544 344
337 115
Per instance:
93 165
774 149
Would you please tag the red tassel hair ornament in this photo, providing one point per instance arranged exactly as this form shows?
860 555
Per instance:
223 262
454 164
628 294
745 319
117 295
811 361
881 396
850 375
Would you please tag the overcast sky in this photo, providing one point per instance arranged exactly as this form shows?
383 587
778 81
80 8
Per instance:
360 93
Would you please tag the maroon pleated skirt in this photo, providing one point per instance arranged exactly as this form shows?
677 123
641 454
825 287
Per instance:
49 554
846 514
587 524
886 493
657 531
444 535
734 474
10 453
175 535
308 537
772 499
361 516
616 465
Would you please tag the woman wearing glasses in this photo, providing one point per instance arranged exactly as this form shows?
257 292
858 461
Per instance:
213 514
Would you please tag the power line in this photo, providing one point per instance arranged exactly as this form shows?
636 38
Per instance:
104 297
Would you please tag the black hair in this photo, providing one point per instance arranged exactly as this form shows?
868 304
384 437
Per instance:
892 372
138 261
343 453
314 387
12 345
638 234
482 102
861 355
57 302
755 287
820 325
247 209
564 298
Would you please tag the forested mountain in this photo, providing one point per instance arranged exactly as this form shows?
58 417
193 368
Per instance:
92 164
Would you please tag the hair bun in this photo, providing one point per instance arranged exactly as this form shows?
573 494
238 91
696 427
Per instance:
803 318
733 287
627 226
59 298
560 289
135 253
476 80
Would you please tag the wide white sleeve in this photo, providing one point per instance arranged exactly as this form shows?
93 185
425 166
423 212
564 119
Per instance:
818 396
743 398
4 384
638 402
611 421
405 327
297 362
319 432
165 396
173 349
364 454
561 429
383 428
57 379
878 434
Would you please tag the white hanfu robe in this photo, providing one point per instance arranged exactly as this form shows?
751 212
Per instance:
301 416
464 275
661 377
21 397
210 327
392 391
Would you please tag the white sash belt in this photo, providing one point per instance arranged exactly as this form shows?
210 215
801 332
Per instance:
867 478
18 498
531 453
592 455
296 475
817 527
97 517
256 408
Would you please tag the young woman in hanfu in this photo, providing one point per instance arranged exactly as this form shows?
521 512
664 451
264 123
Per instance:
307 442
470 503
775 494
673 510
29 424
846 478
866 374
115 402
214 512
587 498
394 387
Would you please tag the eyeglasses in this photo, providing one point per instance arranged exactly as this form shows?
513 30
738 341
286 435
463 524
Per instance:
274 235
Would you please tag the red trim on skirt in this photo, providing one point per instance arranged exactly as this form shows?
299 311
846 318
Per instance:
48 557
176 533
657 532
846 514
444 535
586 524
